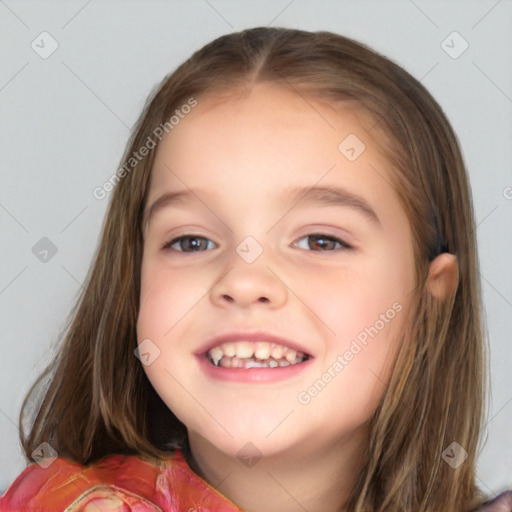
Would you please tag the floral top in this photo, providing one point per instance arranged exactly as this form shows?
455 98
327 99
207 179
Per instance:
126 483
130 482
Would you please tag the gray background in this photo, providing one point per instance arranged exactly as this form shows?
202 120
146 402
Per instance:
65 121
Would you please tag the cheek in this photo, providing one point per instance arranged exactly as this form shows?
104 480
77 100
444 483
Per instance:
347 301
364 311
166 297
356 367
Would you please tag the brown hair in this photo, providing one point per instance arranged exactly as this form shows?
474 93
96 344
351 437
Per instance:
98 399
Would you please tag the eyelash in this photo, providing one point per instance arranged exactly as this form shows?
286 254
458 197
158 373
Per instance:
344 246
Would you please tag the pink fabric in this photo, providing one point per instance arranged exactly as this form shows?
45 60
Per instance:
130 483
502 503
126 483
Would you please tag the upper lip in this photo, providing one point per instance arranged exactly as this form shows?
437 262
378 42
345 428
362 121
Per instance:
250 336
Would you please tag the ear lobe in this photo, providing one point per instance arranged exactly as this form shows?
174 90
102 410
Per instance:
443 275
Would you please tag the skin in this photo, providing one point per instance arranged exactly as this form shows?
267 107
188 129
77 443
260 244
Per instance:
239 155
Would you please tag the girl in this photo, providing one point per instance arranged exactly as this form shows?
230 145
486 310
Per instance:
283 312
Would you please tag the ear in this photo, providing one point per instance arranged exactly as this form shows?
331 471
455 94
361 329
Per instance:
443 275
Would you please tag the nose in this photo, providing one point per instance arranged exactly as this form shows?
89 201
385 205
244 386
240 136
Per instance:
247 285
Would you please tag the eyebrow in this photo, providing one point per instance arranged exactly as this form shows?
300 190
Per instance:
332 196
321 196
164 201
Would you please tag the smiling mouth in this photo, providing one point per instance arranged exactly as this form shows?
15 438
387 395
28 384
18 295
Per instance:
260 354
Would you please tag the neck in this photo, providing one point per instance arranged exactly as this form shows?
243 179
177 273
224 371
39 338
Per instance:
303 478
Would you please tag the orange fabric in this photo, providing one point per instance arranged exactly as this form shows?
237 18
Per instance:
133 484
139 485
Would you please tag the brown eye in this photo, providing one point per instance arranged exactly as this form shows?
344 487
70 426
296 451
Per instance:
322 243
189 243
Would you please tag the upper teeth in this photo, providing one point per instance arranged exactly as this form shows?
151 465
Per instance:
261 350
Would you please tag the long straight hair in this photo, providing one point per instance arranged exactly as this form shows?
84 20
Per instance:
96 398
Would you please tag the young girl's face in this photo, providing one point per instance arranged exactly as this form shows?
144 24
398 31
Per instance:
330 274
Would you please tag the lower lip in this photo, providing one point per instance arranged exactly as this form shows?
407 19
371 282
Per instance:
252 374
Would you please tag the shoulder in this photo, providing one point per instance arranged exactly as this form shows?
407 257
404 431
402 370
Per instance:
67 485
502 503
126 482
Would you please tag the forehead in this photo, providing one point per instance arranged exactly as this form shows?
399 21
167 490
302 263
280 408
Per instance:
267 139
